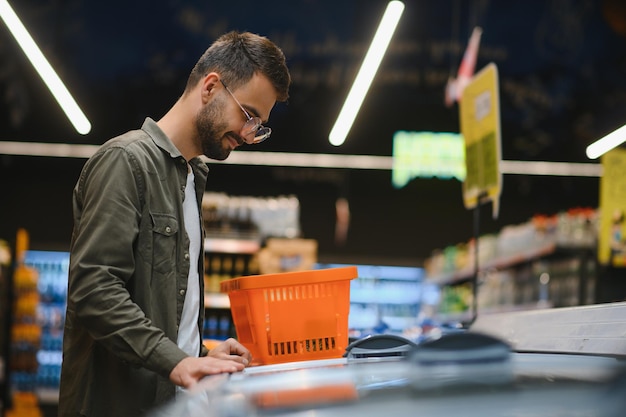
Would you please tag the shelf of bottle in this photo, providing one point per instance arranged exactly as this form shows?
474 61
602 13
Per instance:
229 245
466 273
529 254
216 300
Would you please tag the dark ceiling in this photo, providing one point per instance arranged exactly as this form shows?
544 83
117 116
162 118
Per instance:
561 63
562 67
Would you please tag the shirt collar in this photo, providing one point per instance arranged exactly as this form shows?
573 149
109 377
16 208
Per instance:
162 141
160 138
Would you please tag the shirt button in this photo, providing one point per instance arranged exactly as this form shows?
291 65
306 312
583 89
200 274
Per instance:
168 229
181 292
186 256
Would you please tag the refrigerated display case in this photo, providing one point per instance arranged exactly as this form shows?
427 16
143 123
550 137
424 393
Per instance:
52 269
478 372
385 299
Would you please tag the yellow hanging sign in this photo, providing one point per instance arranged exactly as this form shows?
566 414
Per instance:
612 241
479 111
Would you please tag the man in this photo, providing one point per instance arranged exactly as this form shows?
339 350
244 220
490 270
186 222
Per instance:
135 303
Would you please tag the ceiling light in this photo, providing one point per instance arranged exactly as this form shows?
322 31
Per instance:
45 70
610 141
366 74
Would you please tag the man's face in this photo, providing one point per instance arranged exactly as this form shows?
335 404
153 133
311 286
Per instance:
219 123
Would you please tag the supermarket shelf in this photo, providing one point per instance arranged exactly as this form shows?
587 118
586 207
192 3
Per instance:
539 305
466 316
458 276
228 245
216 300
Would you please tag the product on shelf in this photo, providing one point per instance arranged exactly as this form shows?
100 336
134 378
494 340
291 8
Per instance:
5 318
224 259
255 218
285 255
53 270
236 230
574 228
546 262
25 333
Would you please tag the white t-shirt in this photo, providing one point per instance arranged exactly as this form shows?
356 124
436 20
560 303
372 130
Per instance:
188 337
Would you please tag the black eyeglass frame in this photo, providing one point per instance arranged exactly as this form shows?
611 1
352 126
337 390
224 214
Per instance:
252 125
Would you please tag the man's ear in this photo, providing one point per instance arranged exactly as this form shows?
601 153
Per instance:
209 82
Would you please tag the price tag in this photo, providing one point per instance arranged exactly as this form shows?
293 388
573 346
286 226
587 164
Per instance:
612 242
479 111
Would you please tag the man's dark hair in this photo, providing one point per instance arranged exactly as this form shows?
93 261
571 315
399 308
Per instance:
238 56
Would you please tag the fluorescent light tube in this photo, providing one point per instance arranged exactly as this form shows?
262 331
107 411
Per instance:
610 141
45 70
366 74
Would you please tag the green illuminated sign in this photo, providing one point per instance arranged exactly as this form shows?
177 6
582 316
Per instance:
427 155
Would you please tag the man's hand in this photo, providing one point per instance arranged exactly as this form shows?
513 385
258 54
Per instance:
233 350
227 357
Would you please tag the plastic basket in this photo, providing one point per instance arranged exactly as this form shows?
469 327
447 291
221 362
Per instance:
292 316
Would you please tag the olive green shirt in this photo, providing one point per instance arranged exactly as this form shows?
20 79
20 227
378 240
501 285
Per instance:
128 276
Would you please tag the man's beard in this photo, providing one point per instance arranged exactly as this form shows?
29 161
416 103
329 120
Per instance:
209 125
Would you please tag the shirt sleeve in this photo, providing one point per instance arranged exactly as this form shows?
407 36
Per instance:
107 207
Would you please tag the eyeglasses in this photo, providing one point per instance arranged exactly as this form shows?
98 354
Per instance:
253 131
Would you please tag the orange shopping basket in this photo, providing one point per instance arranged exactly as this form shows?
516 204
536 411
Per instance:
292 316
